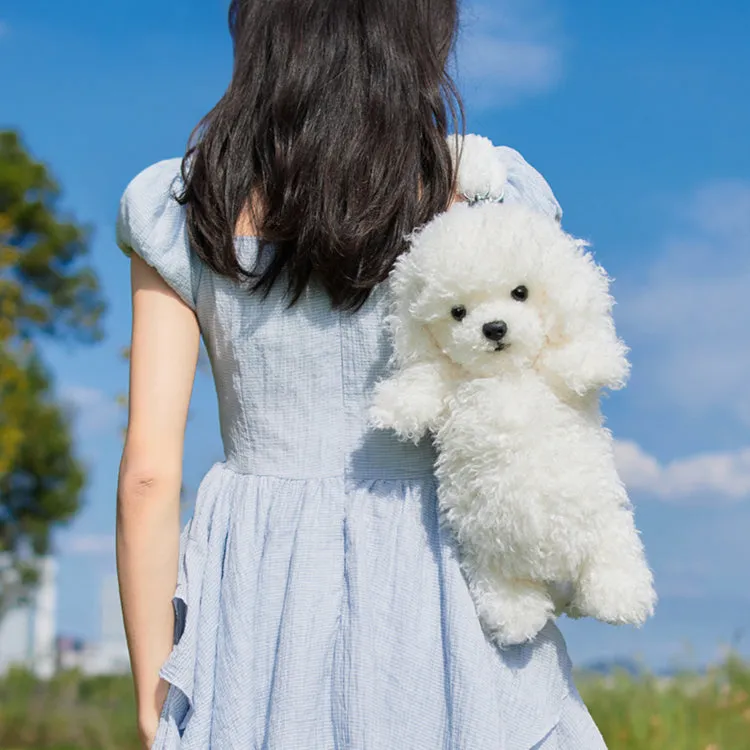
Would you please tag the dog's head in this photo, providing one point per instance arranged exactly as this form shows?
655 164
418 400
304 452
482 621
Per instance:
496 288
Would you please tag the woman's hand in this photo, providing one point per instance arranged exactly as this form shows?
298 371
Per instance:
458 198
148 718
147 733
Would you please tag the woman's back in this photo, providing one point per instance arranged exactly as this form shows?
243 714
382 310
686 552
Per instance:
293 383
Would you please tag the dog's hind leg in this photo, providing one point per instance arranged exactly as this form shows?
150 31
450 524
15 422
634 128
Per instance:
616 584
511 611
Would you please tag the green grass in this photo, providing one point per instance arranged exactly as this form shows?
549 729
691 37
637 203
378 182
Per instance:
688 712
70 712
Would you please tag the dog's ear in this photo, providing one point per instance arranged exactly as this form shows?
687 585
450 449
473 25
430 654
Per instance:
583 352
411 341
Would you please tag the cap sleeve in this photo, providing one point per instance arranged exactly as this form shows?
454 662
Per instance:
152 224
525 185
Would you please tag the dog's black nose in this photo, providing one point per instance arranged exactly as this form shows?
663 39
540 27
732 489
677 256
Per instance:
495 330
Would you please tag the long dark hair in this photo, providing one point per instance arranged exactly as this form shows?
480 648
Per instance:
337 114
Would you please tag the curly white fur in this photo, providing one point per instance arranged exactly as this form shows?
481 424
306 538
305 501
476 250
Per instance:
527 478
481 175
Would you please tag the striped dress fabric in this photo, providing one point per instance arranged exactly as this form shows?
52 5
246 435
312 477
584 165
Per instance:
320 604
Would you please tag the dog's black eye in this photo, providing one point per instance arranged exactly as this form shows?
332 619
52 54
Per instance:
520 294
458 312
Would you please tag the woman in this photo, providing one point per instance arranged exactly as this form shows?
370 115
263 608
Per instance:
317 602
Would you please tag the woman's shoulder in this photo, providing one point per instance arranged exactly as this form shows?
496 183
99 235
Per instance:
487 170
527 184
145 197
151 222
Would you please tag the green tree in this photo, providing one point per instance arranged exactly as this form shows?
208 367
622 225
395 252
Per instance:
47 290
46 287
13 390
42 488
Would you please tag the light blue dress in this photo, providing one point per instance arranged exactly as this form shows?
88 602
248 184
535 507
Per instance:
320 605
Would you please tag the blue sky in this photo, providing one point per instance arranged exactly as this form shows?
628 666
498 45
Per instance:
637 113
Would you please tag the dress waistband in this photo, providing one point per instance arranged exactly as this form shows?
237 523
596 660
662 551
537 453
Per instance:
379 456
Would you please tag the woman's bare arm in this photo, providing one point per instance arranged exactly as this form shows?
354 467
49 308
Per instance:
164 355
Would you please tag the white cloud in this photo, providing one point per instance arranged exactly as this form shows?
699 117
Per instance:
705 479
96 412
508 50
93 545
691 309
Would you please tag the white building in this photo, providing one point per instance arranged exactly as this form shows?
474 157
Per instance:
27 632
110 654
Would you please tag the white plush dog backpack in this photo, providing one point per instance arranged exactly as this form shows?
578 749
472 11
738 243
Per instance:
503 340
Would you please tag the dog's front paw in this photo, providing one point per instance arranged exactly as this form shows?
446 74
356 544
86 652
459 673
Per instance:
386 411
619 597
408 411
